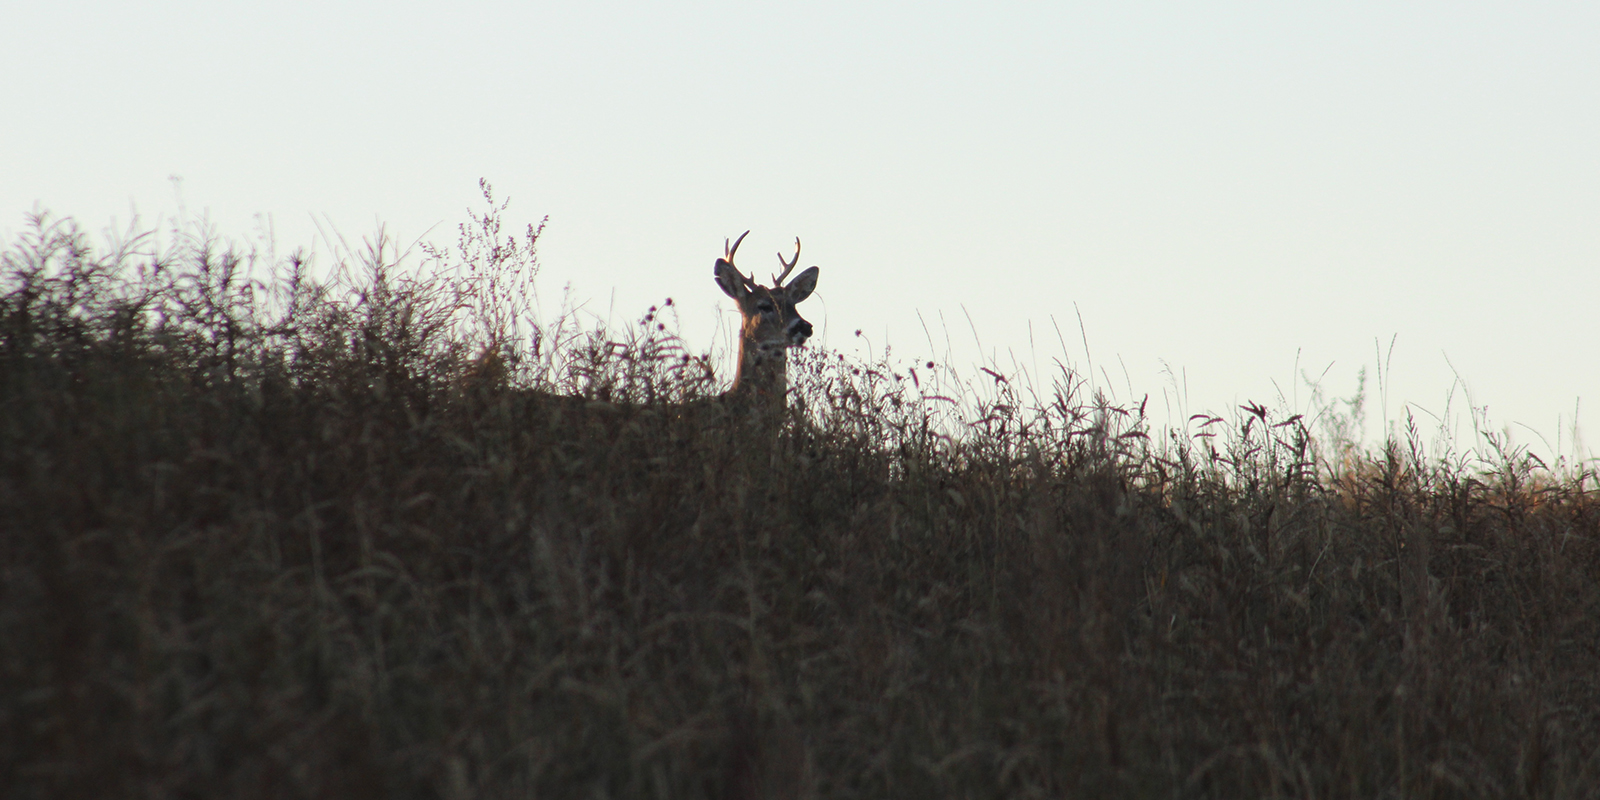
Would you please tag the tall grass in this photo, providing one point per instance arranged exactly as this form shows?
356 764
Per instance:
270 534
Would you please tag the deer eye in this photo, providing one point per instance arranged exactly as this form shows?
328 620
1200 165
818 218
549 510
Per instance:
765 307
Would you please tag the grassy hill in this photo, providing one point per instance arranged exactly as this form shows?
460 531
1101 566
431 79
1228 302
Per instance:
268 536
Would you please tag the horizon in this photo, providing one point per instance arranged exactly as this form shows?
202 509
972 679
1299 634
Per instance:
1218 198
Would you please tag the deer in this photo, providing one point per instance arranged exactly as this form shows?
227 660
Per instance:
770 325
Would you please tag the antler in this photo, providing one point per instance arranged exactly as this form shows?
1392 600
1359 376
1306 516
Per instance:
727 255
788 266
727 252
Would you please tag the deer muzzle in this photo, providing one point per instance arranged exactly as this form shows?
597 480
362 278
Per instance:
799 332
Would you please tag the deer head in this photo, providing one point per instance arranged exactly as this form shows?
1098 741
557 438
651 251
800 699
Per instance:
771 325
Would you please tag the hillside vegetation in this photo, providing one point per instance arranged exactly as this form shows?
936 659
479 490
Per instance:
266 532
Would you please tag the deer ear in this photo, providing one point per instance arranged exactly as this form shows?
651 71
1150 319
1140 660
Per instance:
801 287
730 280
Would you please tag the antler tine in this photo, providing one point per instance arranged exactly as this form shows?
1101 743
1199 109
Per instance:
788 266
727 255
727 252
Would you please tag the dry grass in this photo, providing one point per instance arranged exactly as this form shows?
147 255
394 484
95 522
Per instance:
288 538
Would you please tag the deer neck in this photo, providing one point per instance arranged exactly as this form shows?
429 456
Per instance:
763 372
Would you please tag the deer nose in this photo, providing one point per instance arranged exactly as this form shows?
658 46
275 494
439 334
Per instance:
799 331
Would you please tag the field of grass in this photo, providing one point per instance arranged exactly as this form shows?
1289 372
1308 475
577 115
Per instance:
264 535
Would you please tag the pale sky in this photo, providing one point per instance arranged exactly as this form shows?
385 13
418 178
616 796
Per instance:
1216 188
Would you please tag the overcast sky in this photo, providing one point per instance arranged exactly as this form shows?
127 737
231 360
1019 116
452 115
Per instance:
1222 191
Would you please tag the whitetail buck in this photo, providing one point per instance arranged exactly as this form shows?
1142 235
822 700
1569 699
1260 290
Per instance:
770 326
